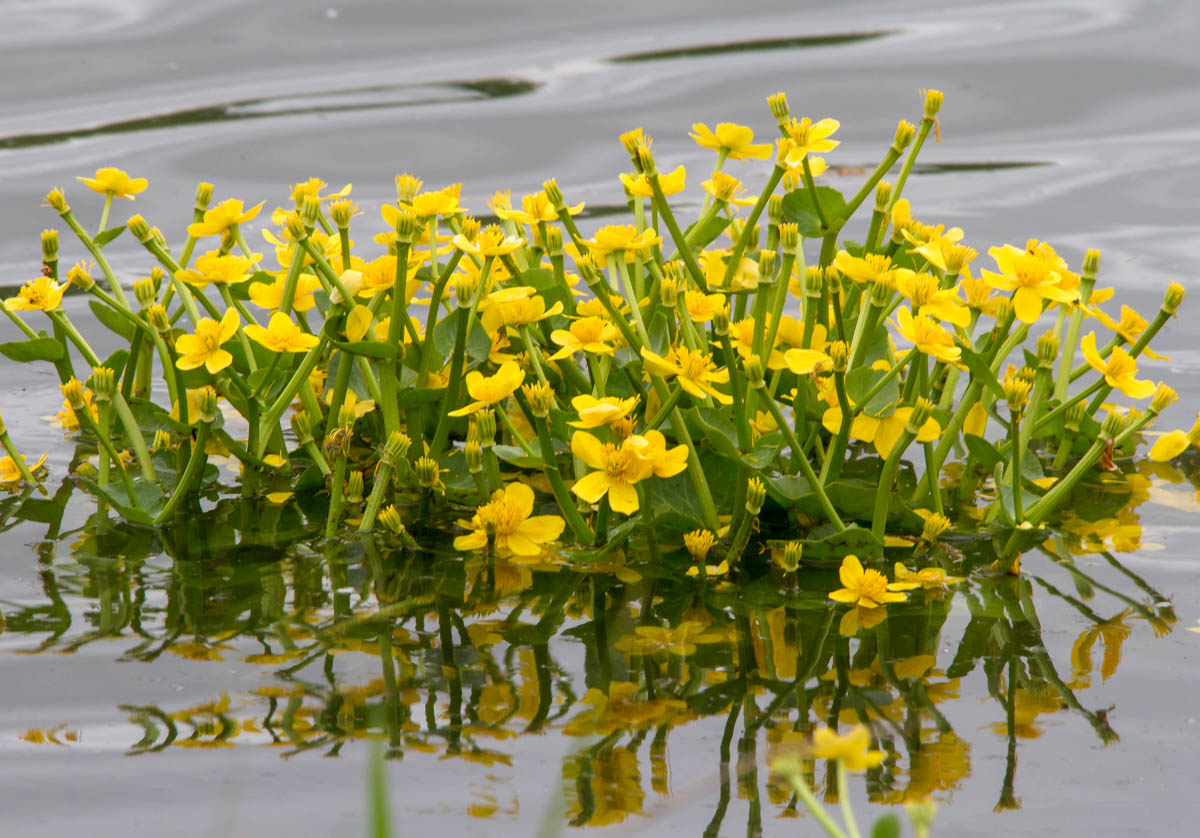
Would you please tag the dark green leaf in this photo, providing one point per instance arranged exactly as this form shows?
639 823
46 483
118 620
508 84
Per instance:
983 451
516 456
419 395
888 826
380 350
798 207
34 349
719 432
980 371
107 236
835 546
705 235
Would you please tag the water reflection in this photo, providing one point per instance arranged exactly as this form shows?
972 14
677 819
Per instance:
755 45
459 657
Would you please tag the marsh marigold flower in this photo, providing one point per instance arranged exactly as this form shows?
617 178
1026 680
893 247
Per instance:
735 141
809 137
694 370
203 347
110 181
867 587
588 334
671 183
41 294
594 412
1118 371
853 748
618 468
282 335
1031 280
508 518
927 337
491 389
220 218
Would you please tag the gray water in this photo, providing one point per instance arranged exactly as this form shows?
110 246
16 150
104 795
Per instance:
1074 122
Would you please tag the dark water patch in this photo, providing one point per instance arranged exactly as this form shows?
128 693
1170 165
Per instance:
755 45
980 166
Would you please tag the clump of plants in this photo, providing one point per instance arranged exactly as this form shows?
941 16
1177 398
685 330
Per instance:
755 376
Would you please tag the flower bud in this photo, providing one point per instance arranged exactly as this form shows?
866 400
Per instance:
347 416
668 292
80 277
1016 393
302 428
407 187
104 383
775 209
161 442
406 226
204 193
156 316
554 241
354 487
766 265
1174 297
789 237
228 241
814 282
933 102
57 201
754 371
720 321
206 404
485 422
783 147
881 292
789 560
1003 309
553 194
395 449
341 211
756 495
1074 416
1113 425
428 474
1047 347
698 544
139 227
389 516
586 266
883 195
839 353
541 398
646 161
1027 374
630 141
310 210
903 136
1091 262
1163 398
921 412
144 291
470 228
935 525
778 104
464 289
49 246
296 230
156 236
791 181
474 454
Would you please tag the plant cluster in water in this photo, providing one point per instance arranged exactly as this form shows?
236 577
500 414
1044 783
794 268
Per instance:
553 400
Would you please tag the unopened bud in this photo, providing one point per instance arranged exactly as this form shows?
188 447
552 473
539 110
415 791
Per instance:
1091 262
883 195
783 148
754 371
756 495
1113 425
668 292
699 543
791 181
775 209
139 227
206 404
407 187
354 487
646 161
474 454
341 211
1163 398
935 525
554 241
1173 298
49 246
485 422
57 201
553 193
1074 416
428 473
156 236
310 209
144 291
541 398
881 291
395 449
904 135
464 290
389 516
302 428
814 282
104 383
406 226
296 230
778 104
586 266
933 102
156 316
470 228
80 277
720 321
921 412
1047 347
204 193
162 441
839 353
789 559
766 265
789 237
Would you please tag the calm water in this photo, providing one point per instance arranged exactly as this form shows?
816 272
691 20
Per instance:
1076 122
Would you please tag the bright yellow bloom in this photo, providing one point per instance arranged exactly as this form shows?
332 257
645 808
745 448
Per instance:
700 306
881 431
714 262
978 295
725 187
115 182
269 295
10 474
931 300
1129 327
313 187
927 337
736 141
41 294
652 447
442 202
695 371
1029 278
534 208
594 412
491 389
1173 443
807 137
516 312
588 334
671 183
220 218
870 268
618 468
66 418
867 587
213 267
203 347
507 519
929 578
282 335
614 238
853 749
491 241
1118 370
379 276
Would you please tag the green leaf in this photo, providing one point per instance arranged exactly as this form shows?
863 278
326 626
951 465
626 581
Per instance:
419 395
764 451
34 349
479 345
983 451
788 488
113 320
798 208
516 456
859 383
107 236
980 371
888 826
149 499
719 432
659 334
705 235
832 548
380 350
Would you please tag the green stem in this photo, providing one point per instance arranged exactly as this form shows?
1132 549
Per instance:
805 466
194 465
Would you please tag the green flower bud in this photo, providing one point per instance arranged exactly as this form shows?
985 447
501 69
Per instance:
553 194
754 371
104 383
1016 393
756 495
814 282
406 226
73 392
1163 398
1112 427
49 246
668 292
881 292
720 321
587 269
1047 347
921 412
296 230
646 161
485 422
775 209
206 404
1091 262
474 454
778 104
389 516
904 135
341 211
139 227
791 182
156 316
429 476
883 195
1074 416
302 428
464 290
310 210
354 487
144 291
1173 298
395 449
839 353
541 398
933 102
554 241
789 560
789 237
57 201
204 193
766 265
407 187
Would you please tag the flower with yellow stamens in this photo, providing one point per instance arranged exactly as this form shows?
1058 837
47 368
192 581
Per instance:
700 306
652 447
694 370
1031 280
509 521
867 587
10 472
735 141
594 412
881 431
491 389
809 137
442 202
491 241
725 187
281 335
220 218
616 238
535 208
1118 371
927 337
869 268
930 299
587 334
1129 328
110 181
517 312
671 183
220 269
617 469
203 347
40 294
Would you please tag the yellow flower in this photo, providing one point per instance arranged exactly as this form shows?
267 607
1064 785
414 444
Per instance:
203 347
594 412
700 306
736 141
379 276
853 748
725 187
652 447
441 202
282 335
491 241
621 237
115 182
588 334
927 336
213 267
869 268
929 578
535 208
807 137
882 431
1129 327
931 300
867 587
517 312
506 517
618 468
269 295
1118 370
671 183
694 370
66 418
313 187
1029 278
41 294
10 475
220 218
492 389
